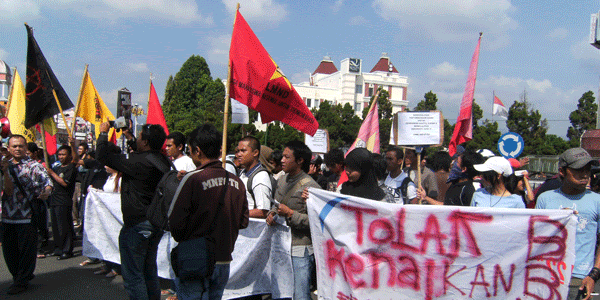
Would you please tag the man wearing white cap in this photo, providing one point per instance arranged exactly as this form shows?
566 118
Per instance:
495 174
574 168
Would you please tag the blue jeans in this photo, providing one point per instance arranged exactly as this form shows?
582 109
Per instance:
208 289
138 246
303 270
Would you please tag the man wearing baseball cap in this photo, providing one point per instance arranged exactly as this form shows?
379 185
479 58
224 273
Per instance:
574 167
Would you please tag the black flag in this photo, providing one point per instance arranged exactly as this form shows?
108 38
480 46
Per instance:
41 82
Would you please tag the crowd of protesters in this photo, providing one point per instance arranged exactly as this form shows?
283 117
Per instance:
258 182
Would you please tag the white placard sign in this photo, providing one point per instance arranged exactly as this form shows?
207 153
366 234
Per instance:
319 143
239 113
417 128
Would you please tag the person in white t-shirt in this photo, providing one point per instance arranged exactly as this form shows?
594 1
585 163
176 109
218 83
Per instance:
396 177
175 146
259 195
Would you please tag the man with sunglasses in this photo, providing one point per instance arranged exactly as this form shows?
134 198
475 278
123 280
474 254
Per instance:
138 239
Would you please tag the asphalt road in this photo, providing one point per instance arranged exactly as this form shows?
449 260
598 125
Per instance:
65 279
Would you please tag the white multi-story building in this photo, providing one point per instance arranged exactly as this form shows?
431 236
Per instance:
351 85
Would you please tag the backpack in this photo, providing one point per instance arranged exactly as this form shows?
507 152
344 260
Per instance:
157 211
404 189
261 168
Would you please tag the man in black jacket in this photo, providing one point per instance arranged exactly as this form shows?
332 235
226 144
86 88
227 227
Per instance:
138 239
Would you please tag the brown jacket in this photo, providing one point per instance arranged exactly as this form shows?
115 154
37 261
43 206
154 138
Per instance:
197 204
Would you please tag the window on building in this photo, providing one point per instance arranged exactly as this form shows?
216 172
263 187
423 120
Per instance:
358 89
370 92
357 107
318 102
308 102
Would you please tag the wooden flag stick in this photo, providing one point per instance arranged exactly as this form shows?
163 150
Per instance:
85 72
226 109
44 145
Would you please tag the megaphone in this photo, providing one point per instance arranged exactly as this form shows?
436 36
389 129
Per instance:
4 127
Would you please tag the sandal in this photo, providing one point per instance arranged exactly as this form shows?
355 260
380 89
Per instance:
89 262
41 255
112 274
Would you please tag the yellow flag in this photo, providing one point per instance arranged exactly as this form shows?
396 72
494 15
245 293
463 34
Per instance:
16 110
90 106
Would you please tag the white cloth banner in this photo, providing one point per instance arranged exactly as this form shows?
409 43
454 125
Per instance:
373 250
261 263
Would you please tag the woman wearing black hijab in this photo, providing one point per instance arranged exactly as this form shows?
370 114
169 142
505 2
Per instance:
361 178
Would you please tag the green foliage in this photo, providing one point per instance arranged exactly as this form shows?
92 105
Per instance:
278 135
527 122
553 145
485 136
448 129
477 113
583 118
428 103
193 98
340 121
385 117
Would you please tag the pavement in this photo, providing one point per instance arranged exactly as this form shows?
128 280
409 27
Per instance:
66 279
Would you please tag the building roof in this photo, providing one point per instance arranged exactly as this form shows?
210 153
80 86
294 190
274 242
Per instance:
5 72
326 67
384 65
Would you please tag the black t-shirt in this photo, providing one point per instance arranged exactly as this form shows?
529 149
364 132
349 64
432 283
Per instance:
460 193
61 195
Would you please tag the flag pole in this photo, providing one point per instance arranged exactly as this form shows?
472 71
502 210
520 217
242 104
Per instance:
60 107
79 98
226 109
493 101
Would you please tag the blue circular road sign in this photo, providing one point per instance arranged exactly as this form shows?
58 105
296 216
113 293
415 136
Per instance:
511 145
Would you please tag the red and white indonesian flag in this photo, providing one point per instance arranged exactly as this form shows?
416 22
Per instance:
499 109
368 135
368 249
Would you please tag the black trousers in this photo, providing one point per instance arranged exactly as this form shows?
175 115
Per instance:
19 245
40 219
62 229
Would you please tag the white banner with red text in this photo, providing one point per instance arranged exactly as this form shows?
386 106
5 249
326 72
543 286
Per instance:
367 249
261 264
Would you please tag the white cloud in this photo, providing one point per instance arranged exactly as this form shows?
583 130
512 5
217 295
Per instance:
3 54
358 20
446 69
138 67
78 72
540 86
177 11
15 11
218 52
337 6
451 20
266 13
558 34
303 76
519 83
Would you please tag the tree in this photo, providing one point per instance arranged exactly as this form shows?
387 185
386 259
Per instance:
385 116
583 118
427 104
485 136
193 98
477 113
527 122
340 121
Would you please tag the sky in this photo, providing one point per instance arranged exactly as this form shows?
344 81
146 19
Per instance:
537 47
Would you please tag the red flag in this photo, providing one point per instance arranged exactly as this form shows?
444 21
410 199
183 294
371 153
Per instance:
257 82
50 139
155 113
368 136
463 129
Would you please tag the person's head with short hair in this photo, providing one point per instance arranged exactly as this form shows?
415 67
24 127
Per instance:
467 160
379 166
205 143
394 157
82 149
575 168
441 160
175 144
410 159
275 158
17 146
152 137
64 154
334 160
296 157
495 172
315 166
32 150
248 152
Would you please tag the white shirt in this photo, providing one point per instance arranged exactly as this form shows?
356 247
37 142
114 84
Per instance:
393 185
261 186
184 163
109 185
